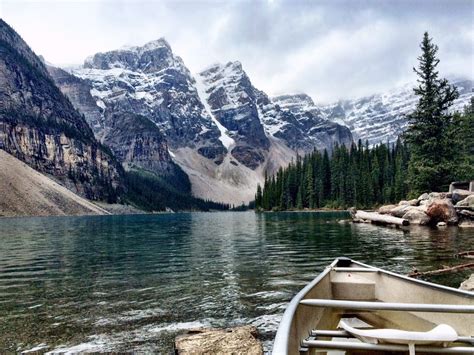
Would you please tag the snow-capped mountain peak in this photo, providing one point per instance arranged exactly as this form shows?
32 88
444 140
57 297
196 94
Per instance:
151 81
218 127
152 57
381 118
294 102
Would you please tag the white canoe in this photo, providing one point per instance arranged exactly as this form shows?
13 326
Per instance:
398 313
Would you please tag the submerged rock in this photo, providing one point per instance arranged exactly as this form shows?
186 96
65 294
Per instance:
466 223
237 341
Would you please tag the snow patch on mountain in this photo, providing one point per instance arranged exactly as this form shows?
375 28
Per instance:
226 140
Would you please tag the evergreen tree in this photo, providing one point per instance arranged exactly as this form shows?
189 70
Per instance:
309 184
299 199
431 160
462 138
259 197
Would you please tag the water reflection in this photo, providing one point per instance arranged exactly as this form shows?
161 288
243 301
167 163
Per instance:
121 283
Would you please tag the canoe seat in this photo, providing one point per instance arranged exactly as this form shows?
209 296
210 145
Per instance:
441 334
347 285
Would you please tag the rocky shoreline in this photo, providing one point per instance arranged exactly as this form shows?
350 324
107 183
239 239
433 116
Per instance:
430 209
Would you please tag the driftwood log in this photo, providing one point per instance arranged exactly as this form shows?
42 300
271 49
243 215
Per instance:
466 254
446 270
379 218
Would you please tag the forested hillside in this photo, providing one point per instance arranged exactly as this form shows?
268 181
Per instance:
355 176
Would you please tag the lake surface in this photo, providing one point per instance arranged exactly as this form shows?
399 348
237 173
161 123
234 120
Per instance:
118 283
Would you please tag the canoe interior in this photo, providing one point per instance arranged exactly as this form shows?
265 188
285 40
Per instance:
379 286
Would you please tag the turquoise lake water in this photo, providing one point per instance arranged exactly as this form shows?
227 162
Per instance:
121 283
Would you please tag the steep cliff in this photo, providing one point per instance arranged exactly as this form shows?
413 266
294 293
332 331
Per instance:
134 139
232 99
39 125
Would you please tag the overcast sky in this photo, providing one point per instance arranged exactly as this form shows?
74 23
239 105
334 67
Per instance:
329 49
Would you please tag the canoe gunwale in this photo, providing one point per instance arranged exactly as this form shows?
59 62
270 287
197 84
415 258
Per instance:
416 281
281 343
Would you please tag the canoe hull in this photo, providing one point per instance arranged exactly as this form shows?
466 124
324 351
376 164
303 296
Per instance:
346 279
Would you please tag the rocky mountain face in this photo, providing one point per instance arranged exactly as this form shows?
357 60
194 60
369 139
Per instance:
154 83
381 118
251 118
39 126
232 101
135 140
224 133
317 131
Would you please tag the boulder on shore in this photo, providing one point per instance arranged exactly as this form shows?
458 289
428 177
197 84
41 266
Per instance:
400 211
413 202
442 210
467 202
417 216
386 209
459 195
423 197
238 341
434 208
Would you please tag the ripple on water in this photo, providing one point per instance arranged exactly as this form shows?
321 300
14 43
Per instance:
131 283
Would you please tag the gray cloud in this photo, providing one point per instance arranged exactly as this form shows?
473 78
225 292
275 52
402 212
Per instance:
329 49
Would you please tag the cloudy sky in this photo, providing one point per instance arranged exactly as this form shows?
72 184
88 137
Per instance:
329 49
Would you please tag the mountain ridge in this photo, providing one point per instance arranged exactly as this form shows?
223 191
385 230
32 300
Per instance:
216 124
220 129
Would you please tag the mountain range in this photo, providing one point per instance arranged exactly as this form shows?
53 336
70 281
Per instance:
141 109
215 125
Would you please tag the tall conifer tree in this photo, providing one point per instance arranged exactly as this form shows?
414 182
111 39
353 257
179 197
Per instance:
430 164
